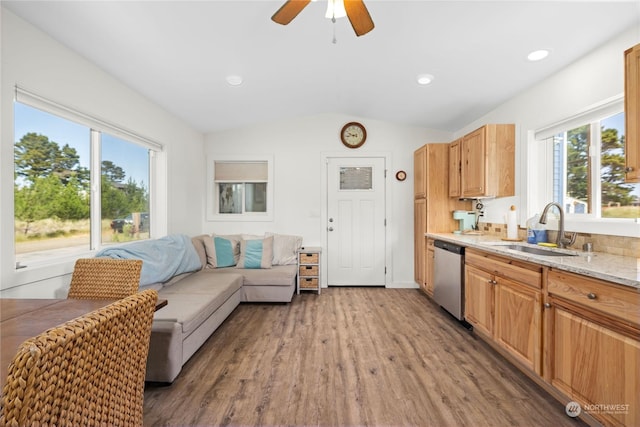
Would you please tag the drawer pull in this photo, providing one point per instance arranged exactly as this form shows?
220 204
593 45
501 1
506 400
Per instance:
591 295
308 267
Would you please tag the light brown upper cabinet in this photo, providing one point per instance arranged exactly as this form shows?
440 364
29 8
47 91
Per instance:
632 113
487 163
420 173
455 150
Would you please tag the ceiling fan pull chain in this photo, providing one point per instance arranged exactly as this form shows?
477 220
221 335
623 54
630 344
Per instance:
333 20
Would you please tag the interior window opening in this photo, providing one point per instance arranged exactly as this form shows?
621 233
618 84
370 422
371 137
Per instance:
241 187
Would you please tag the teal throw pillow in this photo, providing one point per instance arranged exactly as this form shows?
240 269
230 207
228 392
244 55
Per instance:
224 252
256 253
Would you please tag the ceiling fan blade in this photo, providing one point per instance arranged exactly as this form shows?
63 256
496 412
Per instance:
289 10
358 16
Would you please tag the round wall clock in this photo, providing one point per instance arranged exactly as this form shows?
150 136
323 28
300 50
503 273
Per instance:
401 175
353 135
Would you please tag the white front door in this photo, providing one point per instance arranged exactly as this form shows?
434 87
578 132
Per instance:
356 221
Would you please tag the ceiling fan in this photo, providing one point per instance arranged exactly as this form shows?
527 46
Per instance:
356 12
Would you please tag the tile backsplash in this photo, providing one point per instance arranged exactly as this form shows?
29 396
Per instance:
616 245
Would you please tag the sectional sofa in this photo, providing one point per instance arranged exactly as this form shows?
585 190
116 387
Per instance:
233 269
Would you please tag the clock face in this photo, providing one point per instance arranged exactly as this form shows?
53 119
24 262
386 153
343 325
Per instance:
353 135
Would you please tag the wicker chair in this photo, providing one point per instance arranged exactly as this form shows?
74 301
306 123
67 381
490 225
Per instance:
88 371
105 278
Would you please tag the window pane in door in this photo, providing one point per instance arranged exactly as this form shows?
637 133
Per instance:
356 178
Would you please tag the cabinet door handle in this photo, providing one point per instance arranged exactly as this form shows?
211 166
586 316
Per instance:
591 295
547 305
493 282
629 169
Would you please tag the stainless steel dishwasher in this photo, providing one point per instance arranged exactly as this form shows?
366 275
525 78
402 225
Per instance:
448 278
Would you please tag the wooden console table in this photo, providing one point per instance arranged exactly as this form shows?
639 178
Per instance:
21 319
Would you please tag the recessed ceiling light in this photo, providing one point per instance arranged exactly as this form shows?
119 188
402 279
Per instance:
537 55
234 80
425 79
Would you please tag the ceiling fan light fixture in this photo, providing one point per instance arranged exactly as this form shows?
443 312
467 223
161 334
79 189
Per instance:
335 9
425 79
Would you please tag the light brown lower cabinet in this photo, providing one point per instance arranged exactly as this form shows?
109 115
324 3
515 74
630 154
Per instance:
428 288
518 322
479 297
503 301
419 241
578 334
592 357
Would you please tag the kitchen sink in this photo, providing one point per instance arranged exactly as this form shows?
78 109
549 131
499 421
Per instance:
537 251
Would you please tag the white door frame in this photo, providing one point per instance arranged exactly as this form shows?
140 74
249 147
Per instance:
324 216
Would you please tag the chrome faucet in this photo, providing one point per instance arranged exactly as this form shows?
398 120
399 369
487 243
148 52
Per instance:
562 241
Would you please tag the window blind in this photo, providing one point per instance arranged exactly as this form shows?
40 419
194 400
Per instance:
243 171
24 96
596 112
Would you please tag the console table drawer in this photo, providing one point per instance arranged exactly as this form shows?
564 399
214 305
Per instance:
308 270
308 283
308 258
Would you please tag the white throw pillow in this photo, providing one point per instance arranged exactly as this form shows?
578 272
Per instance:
285 248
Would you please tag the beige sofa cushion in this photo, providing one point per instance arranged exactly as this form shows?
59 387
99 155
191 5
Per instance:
198 243
196 297
277 275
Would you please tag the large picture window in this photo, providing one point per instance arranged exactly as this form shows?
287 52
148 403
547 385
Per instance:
77 186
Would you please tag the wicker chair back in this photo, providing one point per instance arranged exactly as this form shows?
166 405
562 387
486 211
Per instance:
105 278
88 371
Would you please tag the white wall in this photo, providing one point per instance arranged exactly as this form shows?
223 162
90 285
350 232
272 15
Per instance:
297 146
38 63
592 79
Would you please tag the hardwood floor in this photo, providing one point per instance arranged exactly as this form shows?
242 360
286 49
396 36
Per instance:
349 357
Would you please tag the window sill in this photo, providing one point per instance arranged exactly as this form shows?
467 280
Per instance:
46 268
612 227
239 218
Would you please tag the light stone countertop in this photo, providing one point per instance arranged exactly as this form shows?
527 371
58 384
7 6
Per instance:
613 268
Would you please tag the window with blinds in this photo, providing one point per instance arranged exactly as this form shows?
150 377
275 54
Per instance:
80 182
241 189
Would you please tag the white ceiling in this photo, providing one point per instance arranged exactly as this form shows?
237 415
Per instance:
178 53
